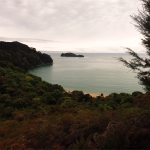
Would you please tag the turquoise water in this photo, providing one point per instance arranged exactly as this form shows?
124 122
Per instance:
95 74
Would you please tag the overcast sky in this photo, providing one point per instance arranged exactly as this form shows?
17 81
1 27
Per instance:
71 25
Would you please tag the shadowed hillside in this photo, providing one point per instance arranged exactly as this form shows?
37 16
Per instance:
20 55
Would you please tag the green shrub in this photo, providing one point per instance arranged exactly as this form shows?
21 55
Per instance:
57 94
136 93
20 103
139 96
3 71
100 107
4 97
48 99
60 100
117 99
8 112
67 103
126 105
113 104
127 99
40 108
2 107
108 107
36 101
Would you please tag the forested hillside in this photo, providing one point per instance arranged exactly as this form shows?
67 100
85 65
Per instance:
35 114
20 55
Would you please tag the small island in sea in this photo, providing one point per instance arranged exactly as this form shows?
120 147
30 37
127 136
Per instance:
70 55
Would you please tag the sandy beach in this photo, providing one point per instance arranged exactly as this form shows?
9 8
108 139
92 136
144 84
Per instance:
93 95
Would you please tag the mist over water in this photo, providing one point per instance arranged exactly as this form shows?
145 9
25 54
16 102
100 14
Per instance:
95 73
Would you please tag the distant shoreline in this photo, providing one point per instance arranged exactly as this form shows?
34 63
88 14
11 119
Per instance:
93 95
59 52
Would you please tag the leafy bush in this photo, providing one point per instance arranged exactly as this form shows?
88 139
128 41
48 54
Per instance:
67 103
136 93
100 107
48 99
127 99
8 112
39 108
57 94
113 104
126 105
108 107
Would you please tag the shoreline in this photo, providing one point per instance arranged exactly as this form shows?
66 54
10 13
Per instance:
38 66
93 95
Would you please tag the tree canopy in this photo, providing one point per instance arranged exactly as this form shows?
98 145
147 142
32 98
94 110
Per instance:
19 56
139 64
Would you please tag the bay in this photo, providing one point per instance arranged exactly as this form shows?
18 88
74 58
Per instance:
94 74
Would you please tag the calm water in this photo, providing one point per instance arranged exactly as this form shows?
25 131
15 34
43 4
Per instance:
95 74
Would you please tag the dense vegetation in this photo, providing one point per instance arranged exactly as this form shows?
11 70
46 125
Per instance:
35 114
70 55
20 57
38 115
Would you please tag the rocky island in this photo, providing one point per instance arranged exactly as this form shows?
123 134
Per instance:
70 55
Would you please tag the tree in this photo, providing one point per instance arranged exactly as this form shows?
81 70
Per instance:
141 65
36 100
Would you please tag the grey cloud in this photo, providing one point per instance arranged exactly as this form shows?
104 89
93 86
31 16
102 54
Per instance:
26 40
80 49
67 20
49 47
58 15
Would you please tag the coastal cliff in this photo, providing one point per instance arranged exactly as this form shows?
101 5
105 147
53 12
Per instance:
70 55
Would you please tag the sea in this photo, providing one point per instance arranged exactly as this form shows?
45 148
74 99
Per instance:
95 73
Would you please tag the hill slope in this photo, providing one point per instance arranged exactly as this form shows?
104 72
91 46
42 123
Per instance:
35 114
20 55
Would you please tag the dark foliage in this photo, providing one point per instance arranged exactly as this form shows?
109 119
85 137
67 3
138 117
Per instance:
21 56
70 55
139 64
35 114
